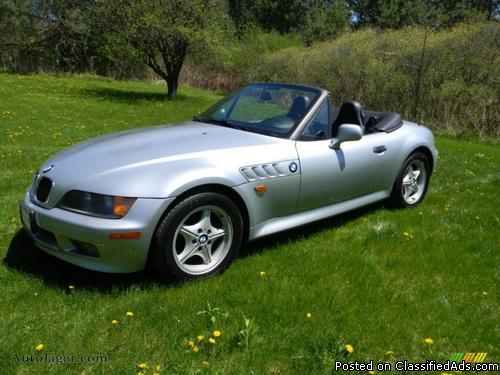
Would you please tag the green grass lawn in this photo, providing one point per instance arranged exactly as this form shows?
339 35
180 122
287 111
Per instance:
378 279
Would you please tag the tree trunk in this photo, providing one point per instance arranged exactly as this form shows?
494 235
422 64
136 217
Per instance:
172 85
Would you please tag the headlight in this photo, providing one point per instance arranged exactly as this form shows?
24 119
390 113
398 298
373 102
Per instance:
106 206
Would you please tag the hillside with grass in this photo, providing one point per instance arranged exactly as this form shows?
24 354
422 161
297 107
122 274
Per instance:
382 281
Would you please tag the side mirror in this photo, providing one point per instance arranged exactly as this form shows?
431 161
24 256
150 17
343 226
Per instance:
346 133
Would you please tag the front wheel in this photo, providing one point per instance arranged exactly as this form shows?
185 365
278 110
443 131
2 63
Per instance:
412 181
200 236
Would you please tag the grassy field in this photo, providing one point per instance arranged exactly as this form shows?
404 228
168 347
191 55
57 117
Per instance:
380 280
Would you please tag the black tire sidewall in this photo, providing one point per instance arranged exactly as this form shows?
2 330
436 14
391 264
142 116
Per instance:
162 257
397 199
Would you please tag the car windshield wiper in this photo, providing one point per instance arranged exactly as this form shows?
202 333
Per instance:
226 123
198 119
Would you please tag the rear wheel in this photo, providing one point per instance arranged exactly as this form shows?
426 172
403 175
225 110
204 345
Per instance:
200 236
412 181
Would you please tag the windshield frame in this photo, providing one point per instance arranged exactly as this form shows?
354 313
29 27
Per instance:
271 85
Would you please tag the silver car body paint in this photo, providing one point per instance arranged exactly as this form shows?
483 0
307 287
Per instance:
306 181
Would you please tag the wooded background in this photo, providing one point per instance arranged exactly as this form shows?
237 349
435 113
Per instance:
436 61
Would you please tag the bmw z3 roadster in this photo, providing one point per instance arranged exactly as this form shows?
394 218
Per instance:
183 198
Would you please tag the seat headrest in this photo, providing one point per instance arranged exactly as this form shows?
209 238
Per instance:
350 113
299 106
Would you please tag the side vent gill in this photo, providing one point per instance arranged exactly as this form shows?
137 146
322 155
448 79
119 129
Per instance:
266 171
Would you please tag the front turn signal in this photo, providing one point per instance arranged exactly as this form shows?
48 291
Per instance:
121 205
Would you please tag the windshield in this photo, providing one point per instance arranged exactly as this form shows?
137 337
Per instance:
272 109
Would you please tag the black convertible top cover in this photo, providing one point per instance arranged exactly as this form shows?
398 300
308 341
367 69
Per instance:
382 121
377 121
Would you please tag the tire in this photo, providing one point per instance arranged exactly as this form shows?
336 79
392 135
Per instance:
199 237
410 188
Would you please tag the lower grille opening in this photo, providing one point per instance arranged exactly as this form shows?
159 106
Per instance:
44 236
43 189
84 248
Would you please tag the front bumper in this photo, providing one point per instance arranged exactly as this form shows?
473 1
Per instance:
60 233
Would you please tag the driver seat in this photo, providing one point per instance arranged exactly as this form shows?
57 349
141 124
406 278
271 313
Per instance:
350 113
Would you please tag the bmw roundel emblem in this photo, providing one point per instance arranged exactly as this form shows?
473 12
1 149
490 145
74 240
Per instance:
293 167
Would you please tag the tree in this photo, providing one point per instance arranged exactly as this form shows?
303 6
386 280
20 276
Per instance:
45 34
400 13
281 16
164 32
324 19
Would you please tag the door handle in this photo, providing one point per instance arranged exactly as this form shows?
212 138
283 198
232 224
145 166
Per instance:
379 149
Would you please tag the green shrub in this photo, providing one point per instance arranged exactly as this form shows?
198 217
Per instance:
446 79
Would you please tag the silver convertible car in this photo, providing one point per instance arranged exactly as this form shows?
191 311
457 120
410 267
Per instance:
183 198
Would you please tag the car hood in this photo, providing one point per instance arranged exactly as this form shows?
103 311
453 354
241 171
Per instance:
159 142
127 163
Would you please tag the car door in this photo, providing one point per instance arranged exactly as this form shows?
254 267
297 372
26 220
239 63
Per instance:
330 176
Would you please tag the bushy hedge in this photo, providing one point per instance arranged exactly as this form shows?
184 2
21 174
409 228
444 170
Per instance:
447 79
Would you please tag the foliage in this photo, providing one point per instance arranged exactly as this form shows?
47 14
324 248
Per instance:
42 34
282 16
164 32
232 62
445 78
401 13
311 19
324 20
366 283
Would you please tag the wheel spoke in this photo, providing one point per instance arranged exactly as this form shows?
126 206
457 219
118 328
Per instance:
216 233
206 254
189 233
188 252
205 222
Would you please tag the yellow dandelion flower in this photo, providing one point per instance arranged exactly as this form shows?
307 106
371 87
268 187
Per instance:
262 274
157 368
39 347
349 349
217 333
140 373
211 340
485 294
204 363
114 321
201 338
407 235
71 287
196 349
429 341
142 366
156 373
190 343
130 313
371 372
309 315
